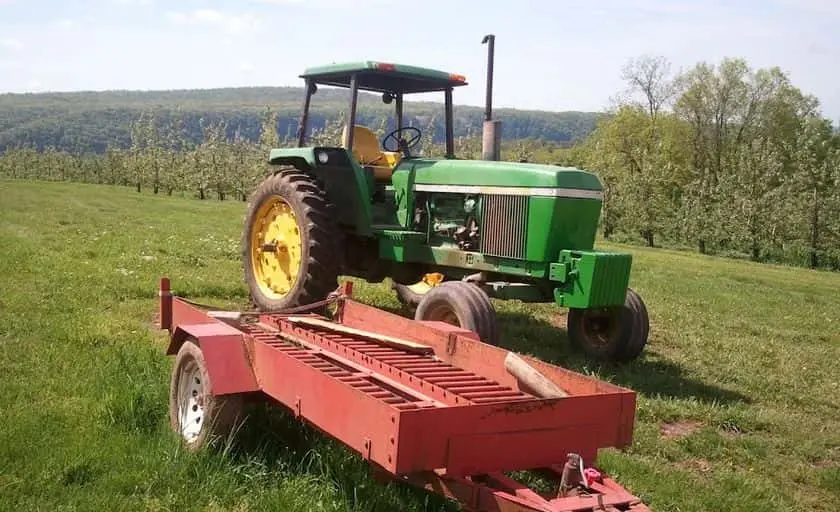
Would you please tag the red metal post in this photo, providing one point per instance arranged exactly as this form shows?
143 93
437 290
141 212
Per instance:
165 304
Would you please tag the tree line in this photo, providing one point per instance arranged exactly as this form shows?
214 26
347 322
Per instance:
162 158
91 122
722 158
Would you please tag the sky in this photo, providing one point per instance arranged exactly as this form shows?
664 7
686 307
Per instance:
550 55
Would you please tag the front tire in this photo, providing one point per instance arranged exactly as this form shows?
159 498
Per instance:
194 413
290 247
611 334
463 305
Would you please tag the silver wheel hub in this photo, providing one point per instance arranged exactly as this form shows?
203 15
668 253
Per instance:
190 403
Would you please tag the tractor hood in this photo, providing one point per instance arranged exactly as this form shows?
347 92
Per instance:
484 173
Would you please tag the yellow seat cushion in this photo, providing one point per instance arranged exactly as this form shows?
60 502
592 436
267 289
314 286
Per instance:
367 152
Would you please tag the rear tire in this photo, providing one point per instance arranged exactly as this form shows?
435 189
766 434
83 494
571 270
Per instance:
461 304
305 264
616 334
195 414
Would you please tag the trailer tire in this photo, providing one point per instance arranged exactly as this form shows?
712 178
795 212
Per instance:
314 249
627 326
462 304
192 404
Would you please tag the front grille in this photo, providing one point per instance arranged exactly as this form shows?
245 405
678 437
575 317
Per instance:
504 225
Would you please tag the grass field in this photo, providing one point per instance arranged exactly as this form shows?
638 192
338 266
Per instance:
737 410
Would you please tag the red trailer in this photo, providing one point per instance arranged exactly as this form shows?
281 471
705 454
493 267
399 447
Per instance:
423 402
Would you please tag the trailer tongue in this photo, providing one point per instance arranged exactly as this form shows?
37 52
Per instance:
423 402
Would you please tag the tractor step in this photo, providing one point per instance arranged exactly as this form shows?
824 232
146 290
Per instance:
397 234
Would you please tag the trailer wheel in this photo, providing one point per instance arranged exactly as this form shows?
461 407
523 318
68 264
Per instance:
461 304
194 413
290 242
611 334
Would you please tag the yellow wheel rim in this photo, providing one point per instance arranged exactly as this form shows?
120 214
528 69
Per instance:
275 248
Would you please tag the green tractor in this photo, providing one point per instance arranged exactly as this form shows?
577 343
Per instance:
450 233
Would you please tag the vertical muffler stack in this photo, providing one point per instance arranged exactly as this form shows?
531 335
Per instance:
491 140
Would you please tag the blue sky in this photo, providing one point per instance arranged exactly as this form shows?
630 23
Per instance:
552 55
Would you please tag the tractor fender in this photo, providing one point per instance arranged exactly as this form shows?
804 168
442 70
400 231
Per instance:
297 162
225 355
302 159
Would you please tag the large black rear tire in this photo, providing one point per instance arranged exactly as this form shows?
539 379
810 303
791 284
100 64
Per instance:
461 304
310 263
616 334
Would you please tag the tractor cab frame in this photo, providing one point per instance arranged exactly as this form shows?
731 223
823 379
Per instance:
394 82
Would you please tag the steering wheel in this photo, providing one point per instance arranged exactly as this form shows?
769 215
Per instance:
402 144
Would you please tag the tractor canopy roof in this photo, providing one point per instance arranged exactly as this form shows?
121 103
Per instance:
384 77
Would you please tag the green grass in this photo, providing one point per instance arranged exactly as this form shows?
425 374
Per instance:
742 359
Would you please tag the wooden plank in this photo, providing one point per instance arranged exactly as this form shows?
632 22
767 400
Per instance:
532 379
391 341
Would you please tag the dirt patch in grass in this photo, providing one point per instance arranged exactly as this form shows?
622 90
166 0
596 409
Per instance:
700 465
559 320
679 428
829 460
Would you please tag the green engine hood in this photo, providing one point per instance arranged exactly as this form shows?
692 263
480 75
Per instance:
484 173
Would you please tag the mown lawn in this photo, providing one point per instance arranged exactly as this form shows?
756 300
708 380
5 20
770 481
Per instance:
737 410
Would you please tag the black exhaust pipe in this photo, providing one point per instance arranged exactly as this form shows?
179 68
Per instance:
491 139
490 41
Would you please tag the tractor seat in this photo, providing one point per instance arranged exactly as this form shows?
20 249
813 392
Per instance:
367 152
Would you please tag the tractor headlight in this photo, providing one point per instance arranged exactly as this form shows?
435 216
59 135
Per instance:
323 157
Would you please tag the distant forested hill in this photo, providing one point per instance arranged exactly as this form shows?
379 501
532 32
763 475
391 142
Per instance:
91 121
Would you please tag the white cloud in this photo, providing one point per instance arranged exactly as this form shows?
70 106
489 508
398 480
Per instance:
11 44
820 7
333 5
246 66
134 2
195 17
234 24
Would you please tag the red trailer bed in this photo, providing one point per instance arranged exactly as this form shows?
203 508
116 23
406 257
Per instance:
426 403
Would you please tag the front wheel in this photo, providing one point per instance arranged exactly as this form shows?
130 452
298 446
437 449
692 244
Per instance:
611 334
463 305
